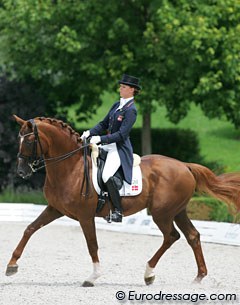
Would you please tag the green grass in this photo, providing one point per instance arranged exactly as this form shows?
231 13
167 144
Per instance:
22 196
219 140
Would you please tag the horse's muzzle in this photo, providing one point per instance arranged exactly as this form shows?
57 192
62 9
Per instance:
23 175
23 169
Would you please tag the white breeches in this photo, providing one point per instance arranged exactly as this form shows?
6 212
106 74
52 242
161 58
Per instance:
112 163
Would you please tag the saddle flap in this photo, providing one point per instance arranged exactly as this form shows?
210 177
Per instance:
136 160
98 160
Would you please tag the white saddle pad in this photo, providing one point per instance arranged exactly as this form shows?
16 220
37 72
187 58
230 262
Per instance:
127 189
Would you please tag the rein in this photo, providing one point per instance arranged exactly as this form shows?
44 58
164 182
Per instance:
59 158
35 162
86 178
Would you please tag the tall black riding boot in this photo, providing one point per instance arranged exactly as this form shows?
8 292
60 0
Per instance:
116 200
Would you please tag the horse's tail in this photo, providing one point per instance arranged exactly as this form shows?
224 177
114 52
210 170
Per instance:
225 187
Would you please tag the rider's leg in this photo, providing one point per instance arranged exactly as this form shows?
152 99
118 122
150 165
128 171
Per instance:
116 200
111 166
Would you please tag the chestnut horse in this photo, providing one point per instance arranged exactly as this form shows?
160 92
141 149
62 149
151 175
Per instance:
168 185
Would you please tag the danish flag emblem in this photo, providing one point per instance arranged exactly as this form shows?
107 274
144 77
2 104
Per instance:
134 187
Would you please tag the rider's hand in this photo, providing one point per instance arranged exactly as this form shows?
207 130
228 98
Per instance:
95 140
85 134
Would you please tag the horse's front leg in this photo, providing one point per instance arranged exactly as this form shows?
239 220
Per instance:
89 230
47 216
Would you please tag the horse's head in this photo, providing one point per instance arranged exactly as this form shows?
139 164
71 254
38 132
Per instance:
30 149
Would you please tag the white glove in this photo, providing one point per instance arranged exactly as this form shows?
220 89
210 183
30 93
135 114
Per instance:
95 140
85 134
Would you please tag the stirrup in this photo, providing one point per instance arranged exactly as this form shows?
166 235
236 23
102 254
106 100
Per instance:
109 217
117 216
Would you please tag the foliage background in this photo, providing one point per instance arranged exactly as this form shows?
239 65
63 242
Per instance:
64 56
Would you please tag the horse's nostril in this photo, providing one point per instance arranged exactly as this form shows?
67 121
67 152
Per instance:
20 173
24 175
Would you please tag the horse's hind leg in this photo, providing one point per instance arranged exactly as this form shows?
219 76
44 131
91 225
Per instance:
47 216
170 235
193 238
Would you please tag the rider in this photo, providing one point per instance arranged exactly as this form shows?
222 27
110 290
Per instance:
118 124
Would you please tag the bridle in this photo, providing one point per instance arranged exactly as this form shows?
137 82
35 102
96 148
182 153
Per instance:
33 160
36 163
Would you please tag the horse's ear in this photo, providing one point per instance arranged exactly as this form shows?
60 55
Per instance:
18 120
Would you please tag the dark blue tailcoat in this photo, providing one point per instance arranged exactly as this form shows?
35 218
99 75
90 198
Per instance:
118 125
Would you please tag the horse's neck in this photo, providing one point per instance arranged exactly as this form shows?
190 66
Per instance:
60 144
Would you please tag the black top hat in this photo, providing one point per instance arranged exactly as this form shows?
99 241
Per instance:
130 81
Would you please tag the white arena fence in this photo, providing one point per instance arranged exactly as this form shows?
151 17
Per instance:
139 223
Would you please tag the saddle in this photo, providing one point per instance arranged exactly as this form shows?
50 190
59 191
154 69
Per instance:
99 156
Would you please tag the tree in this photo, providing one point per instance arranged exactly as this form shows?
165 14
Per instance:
184 51
21 99
199 50
52 42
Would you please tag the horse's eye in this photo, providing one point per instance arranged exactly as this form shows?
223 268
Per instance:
29 140
28 143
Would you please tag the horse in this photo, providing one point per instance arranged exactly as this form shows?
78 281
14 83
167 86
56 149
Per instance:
168 185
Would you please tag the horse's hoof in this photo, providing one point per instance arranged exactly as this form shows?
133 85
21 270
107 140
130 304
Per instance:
149 280
197 280
11 270
87 284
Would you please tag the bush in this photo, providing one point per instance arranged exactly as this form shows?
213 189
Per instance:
207 208
181 144
15 98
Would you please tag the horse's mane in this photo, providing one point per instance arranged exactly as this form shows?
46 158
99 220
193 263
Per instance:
62 125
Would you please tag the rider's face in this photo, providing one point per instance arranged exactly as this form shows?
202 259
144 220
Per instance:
126 91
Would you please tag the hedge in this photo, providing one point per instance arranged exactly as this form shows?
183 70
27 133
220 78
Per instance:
181 144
